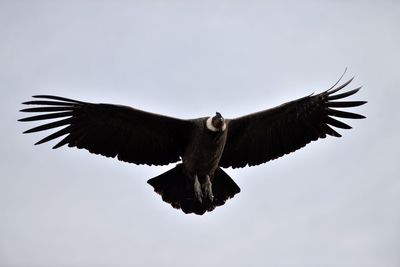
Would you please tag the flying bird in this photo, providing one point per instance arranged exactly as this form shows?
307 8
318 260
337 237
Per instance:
201 146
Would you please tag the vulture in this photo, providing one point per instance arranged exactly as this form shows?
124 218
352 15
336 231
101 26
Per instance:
201 147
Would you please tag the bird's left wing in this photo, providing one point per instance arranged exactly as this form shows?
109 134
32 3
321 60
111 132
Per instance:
272 133
132 135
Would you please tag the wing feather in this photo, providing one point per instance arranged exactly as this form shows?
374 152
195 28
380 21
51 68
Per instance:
55 135
47 109
345 104
343 114
336 123
48 116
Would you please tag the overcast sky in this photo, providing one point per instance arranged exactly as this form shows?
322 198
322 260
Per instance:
334 203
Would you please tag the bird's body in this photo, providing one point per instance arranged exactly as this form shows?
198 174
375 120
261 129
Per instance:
204 149
204 145
194 190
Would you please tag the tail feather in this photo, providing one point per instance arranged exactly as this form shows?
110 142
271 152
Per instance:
174 189
223 187
170 185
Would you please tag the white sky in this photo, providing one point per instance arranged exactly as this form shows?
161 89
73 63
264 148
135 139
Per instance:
333 203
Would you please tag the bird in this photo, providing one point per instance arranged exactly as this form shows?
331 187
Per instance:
200 147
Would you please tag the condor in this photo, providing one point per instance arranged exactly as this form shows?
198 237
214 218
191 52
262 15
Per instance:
201 146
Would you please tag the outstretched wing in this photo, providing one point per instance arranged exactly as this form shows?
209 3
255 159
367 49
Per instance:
111 130
272 133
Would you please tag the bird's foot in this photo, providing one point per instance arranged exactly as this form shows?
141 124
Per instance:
197 189
207 189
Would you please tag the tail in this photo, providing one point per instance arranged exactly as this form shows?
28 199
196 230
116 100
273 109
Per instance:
175 188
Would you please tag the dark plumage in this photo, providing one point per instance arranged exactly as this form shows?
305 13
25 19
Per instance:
197 184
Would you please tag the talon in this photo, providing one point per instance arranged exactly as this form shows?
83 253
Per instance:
197 189
207 188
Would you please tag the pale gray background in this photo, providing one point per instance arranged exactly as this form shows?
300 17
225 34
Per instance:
334 203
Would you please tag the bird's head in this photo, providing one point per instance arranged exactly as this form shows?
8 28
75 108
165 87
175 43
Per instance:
216 123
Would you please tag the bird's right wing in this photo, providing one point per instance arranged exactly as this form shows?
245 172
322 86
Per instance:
132 135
